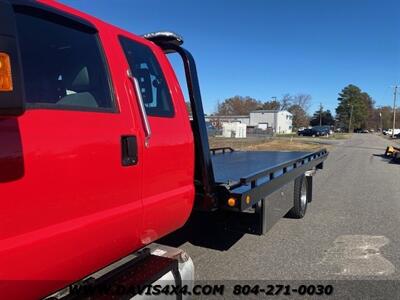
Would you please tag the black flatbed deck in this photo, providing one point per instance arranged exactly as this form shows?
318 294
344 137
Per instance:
251 176
232 166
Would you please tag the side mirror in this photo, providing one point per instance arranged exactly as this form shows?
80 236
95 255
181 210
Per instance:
12 95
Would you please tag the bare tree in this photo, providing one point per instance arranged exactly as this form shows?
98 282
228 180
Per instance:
298 105
286 102
300 118
302 100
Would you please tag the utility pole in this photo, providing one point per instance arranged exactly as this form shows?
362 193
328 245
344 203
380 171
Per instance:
394 109
351 117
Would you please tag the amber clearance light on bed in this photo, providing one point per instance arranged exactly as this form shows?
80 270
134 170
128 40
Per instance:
6 84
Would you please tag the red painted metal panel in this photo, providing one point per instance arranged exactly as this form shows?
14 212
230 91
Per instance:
68 206
168 165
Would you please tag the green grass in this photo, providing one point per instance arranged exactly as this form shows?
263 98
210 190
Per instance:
339 136
335 136
286 135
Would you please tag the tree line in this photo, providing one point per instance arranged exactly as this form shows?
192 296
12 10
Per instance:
355 110
297 104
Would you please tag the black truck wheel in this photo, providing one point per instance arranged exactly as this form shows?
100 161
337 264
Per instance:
300 198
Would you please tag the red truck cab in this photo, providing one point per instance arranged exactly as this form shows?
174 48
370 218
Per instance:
79 173
99 158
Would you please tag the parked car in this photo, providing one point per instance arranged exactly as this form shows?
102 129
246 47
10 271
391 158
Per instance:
305 132
301 129
321 130
390 131
315 131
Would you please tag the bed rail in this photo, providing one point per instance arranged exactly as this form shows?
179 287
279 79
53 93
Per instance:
222 149
248 191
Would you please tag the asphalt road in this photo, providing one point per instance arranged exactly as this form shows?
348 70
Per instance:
351 230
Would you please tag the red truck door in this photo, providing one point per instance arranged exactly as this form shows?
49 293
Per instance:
168 170
74 204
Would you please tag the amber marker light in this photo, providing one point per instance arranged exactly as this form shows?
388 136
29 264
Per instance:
231 202
6 84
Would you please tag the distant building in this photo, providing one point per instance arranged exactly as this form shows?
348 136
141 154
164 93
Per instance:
218 120
279 121
234 129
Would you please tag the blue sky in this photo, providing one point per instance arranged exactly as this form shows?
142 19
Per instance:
266 48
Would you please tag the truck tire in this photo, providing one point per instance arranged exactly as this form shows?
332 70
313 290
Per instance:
300 198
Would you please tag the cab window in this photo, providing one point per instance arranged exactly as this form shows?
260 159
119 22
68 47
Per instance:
153 86
63 66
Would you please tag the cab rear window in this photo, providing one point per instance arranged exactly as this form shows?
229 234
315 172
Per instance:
153 86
